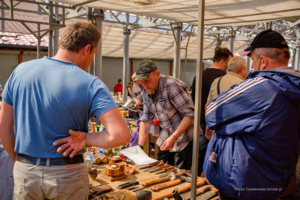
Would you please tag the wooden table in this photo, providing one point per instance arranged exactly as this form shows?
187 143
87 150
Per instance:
139 176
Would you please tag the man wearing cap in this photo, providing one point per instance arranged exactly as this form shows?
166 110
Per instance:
167 99
255 147
118 87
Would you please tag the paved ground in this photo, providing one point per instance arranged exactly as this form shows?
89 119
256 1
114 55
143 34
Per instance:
296 196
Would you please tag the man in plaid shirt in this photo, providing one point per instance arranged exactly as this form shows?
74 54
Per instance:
167 99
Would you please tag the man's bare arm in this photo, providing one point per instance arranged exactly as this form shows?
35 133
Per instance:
7 133
115 134
144 132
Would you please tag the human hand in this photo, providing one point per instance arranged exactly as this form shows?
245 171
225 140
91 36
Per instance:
137 103
168 144
74 143
208 133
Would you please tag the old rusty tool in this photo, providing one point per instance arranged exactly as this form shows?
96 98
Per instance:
164 170
208 195
168 172
159 168
176 195
180 190
149 165
137 189
154 167
198 192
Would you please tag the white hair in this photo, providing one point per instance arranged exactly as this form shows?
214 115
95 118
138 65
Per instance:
236 63
133 76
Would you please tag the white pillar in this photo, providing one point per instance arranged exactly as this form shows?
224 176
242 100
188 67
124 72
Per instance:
126 68
99 17
177 45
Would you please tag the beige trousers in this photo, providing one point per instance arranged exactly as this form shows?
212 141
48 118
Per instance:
66 182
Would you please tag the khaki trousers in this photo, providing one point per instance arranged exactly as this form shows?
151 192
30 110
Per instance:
66 182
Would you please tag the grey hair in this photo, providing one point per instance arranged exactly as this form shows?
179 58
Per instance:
133 76
280 55
235 64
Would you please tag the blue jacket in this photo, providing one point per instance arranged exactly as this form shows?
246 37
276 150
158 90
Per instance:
257 135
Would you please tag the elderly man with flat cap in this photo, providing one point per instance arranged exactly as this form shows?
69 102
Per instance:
167 99
255 147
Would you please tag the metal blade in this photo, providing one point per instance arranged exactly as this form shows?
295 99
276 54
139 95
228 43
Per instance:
145 166
150 168
137 189
160 171
154 170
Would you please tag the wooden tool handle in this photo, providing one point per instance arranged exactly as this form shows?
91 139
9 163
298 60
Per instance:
165 185
154 163
171 167
215 191
206 189
158 180
180 190
164 166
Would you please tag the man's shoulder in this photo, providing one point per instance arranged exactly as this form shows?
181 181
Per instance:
171 81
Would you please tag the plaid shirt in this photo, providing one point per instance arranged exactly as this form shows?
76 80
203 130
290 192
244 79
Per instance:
137 92
172 103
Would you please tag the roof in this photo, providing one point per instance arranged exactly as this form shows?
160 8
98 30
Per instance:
144 43
225 12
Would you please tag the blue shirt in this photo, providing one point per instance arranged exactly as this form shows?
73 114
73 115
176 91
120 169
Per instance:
50 97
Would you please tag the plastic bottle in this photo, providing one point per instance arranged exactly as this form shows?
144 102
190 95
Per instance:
116 153
88 162
93 127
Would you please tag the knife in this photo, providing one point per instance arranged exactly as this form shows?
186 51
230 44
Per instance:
160 167
155 167
149 165
164 170
165 174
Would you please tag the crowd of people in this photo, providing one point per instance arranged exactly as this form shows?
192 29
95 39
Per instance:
249 124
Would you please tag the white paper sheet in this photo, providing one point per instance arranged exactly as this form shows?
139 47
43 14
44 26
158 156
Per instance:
137 155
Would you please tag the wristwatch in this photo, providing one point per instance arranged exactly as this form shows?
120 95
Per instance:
141 146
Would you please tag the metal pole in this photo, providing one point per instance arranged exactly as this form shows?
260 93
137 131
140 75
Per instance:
11 9
176 65
297 53
231 37
126 33
56 33
99 17
197 116
219 42
38 42
2 15
248 64
50 43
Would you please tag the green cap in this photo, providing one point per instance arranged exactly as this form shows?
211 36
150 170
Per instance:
144 70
